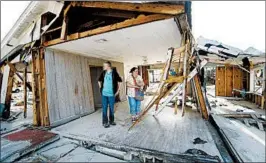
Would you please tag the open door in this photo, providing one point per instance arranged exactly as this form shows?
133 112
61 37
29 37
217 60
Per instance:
95 73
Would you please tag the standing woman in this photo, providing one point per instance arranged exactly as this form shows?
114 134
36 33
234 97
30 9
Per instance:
134 83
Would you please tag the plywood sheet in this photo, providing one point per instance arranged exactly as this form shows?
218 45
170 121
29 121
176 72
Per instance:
229 81
220 81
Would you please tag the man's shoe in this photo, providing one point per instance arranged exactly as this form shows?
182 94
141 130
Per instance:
106 125
112 123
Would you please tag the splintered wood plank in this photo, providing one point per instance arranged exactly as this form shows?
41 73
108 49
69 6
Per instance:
177 88
141 19
220 81
172 9
202 104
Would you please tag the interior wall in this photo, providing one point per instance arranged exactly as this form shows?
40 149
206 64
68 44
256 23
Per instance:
69 92
69 88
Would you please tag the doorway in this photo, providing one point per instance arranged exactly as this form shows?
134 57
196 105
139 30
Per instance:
95 73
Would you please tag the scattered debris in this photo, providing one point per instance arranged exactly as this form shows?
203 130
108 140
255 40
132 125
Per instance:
199 141
239 110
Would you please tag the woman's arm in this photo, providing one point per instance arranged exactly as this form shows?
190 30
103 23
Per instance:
132 86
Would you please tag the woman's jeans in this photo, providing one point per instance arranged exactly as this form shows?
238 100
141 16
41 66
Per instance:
134 106
108 100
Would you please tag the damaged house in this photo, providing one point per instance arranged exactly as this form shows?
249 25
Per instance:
58 49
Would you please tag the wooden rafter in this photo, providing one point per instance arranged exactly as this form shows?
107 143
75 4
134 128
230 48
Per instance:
171 9
115 14
141 19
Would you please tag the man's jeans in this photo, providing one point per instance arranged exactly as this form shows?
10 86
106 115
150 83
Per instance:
108 100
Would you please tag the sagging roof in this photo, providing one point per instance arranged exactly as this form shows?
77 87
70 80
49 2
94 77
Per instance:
218 52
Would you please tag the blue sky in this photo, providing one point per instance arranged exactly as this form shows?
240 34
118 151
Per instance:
236 23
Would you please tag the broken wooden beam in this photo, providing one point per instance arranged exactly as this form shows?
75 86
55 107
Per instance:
202 103
177 89
27 83
172 9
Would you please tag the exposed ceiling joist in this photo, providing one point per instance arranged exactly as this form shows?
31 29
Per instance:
171 9
115 14
141 19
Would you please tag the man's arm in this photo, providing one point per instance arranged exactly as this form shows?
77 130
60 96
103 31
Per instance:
119 80
100 80
100 84
118 89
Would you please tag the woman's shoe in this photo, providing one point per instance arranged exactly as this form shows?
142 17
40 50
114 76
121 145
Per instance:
133 119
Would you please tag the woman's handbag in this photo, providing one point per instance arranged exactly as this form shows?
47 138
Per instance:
139 94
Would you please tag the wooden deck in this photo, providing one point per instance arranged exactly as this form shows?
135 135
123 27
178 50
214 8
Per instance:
167 133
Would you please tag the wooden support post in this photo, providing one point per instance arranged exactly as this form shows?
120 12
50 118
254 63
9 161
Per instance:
185 80
44 113
35 99
25 91
202 103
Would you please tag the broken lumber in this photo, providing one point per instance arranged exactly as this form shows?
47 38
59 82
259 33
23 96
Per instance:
171 9
177 89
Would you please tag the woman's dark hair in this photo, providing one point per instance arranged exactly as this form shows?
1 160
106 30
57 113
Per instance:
133 69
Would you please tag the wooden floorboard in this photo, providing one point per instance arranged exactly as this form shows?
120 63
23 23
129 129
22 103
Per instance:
167 132
248 146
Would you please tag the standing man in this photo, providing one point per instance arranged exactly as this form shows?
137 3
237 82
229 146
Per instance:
110 84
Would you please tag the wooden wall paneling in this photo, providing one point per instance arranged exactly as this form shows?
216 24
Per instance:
76 89
52 98
229 81
71 85
85 88
220 81
237 80
66 74
59 84
89 85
